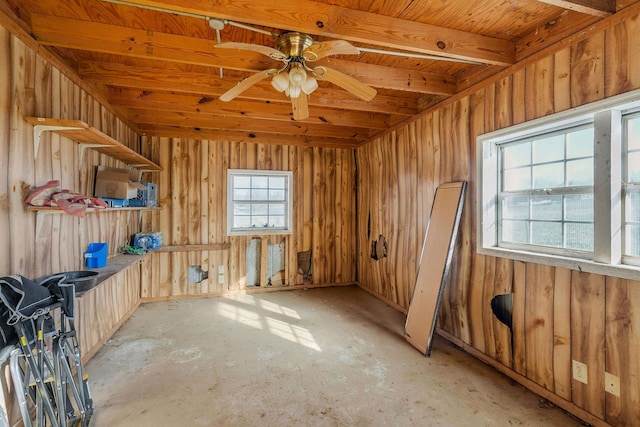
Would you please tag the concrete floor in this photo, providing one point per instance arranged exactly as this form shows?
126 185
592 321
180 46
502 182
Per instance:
323 357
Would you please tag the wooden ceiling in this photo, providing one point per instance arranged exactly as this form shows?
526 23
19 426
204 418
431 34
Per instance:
155 61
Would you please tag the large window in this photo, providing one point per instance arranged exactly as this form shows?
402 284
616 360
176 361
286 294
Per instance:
565 189
258 202
546 190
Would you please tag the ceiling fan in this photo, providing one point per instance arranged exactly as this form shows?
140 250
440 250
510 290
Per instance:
297 78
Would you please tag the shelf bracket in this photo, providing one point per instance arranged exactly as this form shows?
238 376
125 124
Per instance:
83 146
37 134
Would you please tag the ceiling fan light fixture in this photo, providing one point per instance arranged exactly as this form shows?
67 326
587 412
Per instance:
294 91
280 81
297 76
309 85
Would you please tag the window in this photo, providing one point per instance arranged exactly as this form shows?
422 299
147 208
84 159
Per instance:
565 190
632 187
258 202
546 190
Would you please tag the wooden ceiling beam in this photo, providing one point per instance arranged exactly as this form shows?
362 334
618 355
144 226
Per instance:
599 8
208 121
188 103
348 24
96 37
246 136
182 81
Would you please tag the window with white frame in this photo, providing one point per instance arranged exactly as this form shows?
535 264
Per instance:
565 189
258 202
632 187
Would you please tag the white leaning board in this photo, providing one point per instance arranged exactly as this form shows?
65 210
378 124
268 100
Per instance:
433 269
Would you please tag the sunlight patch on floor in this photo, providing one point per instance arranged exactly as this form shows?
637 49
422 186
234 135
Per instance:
257 314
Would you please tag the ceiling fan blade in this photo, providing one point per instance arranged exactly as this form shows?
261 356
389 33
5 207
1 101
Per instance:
346 82
300 107
265 50
246 84
334 47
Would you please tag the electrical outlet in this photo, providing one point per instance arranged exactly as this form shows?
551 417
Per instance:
221 269
580 372
611 384
221 279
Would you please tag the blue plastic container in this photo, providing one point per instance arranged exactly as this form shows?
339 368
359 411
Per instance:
96 255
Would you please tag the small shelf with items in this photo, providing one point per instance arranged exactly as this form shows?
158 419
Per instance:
56 210
89 137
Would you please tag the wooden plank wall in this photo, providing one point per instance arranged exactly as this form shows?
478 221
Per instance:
103 309
193 196
559 315
36 245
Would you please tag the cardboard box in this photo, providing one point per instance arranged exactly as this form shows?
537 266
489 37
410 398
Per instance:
116 183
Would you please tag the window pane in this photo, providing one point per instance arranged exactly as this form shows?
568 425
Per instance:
580 143
579 207
549 149
516 155
277 195
633 133
260 209
260 221
515 207
277 182
546 233
259 195
260 182
548 176
579 236
242 182
241 221
277 221
547 208
515 231
241 194
517 179
632 207
580 172
632 239
276 209
242 209
633 167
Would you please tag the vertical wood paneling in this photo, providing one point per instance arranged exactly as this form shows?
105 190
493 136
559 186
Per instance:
502 334
5 115
475 301
562 80
517 97
519 325
195 213
101 310
539 89
21 164
587 84
487 316
622 59
562 333
587 339
621 358
539 324
41 244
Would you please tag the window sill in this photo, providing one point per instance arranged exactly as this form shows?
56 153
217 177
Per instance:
258 231
622 271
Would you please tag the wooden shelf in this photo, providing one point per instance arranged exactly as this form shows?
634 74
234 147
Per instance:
195 248
89 137
56 210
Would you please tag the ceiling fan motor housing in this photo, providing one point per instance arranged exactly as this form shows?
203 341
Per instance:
293 44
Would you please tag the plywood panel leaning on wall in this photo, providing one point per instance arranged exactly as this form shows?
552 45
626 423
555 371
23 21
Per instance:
436 257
